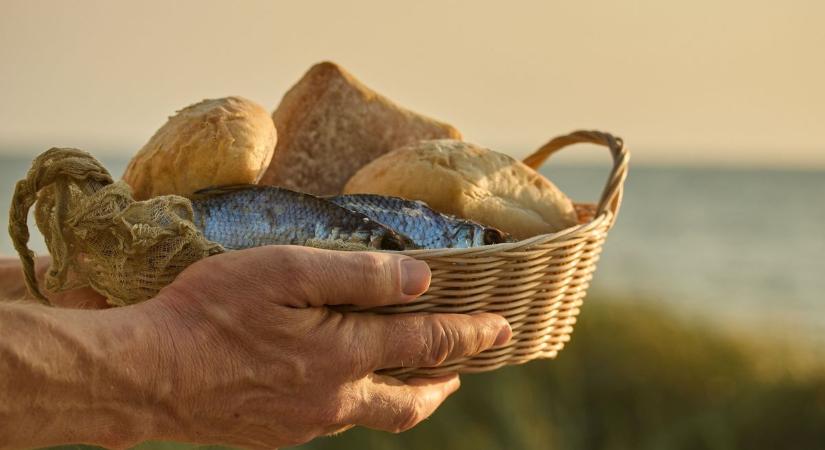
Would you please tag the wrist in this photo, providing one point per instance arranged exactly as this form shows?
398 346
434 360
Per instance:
72 376
139 348
123 393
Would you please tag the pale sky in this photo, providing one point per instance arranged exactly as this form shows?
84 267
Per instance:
698 82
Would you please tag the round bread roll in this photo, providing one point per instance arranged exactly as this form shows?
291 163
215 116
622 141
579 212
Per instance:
469 181
216 142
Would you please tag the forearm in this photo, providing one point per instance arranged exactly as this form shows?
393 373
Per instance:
70 376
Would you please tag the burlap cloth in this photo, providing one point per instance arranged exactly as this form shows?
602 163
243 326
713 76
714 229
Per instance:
97 234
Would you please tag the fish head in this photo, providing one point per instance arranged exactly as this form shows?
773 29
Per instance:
487 236
390 240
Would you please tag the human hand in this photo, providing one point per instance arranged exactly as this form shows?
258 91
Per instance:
12 286
254 358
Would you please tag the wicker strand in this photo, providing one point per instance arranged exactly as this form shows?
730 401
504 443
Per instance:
537 284
612 194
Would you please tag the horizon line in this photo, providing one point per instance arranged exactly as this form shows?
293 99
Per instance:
18 150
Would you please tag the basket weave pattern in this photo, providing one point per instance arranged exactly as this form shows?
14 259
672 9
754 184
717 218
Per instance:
537 284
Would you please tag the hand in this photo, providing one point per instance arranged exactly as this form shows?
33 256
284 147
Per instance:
12 286
80 298
258 360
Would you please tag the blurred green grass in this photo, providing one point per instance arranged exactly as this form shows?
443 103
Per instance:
633 377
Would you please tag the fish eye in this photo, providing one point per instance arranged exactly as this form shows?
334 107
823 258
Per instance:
493 236
391 242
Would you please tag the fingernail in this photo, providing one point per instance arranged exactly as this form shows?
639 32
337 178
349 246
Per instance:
415 276
504 336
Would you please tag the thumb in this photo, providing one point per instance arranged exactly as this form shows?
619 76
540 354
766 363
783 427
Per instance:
314 277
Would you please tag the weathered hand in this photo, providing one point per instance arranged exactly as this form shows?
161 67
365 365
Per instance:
252 356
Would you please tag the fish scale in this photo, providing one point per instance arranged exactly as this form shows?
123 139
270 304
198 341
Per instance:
415 219
239 217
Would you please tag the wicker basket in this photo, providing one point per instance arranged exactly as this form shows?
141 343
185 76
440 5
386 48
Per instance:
537 284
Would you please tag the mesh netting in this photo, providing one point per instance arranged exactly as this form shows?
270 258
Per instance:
97 234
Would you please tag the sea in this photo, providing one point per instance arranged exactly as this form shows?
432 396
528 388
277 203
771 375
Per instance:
733 247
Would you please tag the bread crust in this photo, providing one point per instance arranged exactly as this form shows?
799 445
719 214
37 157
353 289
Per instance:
469 181
211 143
330 125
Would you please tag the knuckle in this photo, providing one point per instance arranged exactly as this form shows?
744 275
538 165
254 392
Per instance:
410 340
374 268
290 264
371 260
475 337
295 277
442 343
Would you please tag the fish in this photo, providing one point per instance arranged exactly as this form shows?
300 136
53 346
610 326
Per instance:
246 216
415 219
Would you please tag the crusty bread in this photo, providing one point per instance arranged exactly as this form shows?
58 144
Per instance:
472 182
330 125
212 143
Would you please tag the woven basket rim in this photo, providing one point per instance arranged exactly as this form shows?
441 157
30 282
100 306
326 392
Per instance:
560 235
607 209
537 284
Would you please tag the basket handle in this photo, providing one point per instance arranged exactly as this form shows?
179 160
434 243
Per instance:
612 194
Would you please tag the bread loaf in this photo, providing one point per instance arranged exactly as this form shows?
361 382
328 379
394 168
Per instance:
472 182
330 125
212 143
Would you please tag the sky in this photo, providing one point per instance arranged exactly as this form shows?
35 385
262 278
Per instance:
708 83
